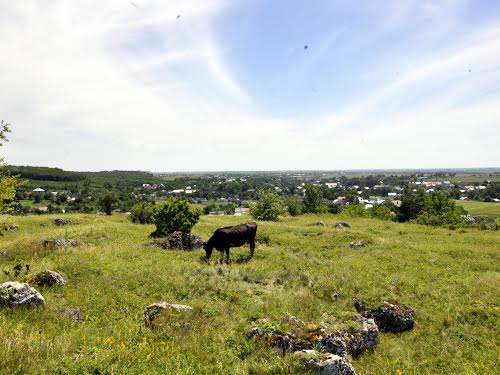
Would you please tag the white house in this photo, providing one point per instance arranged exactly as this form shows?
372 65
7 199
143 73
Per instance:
38 191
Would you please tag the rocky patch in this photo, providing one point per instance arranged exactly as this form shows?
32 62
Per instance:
389 317
355 244
71 313
60 221
60 242
15 294
162 314
342 225
325 363
48 278
11 228
180 241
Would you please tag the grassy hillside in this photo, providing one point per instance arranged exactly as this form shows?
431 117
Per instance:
490 209
450 278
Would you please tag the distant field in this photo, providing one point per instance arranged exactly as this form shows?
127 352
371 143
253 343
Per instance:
470 178
450 278
481 208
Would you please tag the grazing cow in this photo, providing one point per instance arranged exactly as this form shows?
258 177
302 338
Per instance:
225 238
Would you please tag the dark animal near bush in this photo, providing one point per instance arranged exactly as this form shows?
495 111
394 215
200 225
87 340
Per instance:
225 238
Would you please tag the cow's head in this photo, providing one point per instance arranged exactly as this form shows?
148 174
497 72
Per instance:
208 250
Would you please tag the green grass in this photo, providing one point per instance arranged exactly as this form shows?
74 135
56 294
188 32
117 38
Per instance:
450 278
489 209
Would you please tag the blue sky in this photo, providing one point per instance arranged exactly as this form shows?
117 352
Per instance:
229 85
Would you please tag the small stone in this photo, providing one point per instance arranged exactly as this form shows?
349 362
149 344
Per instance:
14 294
326 363
355 244
162 314
60 221
12 228
342 225
71 313
319 224
49 278
60 242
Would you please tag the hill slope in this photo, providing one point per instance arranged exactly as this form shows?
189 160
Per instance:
450 278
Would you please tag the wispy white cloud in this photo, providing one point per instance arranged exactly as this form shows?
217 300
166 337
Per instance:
105 85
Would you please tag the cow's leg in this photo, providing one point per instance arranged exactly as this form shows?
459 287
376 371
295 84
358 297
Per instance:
252 247
227 254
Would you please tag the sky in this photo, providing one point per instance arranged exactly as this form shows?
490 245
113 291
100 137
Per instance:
202 85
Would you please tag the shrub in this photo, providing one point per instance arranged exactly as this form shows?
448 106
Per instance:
293 206
175 214
142 213
268 207
355 210
107 200
380 211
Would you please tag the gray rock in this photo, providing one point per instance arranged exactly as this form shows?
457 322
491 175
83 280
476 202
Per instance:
389 317
355 244
60 242
71 313
12 228
363 339
342 225
14 294
179 240
319 224
60 221
49 278
326 363
162 314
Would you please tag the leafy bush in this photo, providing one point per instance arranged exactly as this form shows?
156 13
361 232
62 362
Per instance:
293 206
355 210
107 200
268 207
175 214
381 211
142 213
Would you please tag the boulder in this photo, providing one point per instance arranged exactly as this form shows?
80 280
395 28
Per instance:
389 317
12 228
60 221
179 240
162 314
355 244
362 339
342 225
48 278
326 363
71 313
14 294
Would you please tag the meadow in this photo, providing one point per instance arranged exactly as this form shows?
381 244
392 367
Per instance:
489 209
450 278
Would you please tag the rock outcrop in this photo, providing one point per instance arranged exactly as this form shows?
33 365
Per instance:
342 225
389 317
180 241
15 294
326 363
48 278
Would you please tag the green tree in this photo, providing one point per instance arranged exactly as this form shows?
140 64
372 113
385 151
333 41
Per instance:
293 206
268 208
107 200
8 184
313 200
176 214
412 204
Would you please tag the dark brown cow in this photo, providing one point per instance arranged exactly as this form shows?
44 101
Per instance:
225 238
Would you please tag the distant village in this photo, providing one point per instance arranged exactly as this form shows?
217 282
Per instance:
220 194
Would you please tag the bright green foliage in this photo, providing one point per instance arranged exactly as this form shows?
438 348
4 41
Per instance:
8 184
313 200
268 208
175 214
380 211
412 203
293 206
107 200
142 213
